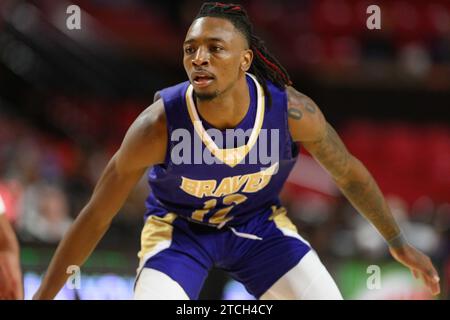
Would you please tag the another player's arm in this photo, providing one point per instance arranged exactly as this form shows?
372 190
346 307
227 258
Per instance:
309 127
144 145
10 274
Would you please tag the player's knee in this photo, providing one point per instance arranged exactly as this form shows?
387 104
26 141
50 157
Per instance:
156 285
308 280
322 287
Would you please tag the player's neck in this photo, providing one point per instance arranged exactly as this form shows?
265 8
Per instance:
228 109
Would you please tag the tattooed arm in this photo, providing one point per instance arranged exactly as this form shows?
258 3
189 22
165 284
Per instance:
309 127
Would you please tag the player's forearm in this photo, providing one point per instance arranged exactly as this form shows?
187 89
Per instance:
108 197
362 191
74 249
8 239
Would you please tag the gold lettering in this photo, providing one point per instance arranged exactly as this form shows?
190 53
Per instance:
189 186
252 183
229 185
208 205
206 188
224 188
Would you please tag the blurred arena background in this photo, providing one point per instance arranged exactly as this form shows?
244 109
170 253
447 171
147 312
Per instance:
68 96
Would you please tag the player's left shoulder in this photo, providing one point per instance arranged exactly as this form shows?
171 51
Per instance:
306 120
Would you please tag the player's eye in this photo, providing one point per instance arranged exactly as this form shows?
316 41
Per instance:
188 50
216 48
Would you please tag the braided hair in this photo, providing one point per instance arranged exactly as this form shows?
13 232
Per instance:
264 65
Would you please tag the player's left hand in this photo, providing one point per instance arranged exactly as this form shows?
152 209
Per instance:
419 264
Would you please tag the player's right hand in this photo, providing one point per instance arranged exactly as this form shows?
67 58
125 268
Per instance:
10 277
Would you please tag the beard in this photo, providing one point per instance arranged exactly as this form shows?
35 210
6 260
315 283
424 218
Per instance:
206 96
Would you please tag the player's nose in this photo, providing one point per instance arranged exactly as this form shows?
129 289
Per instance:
201 57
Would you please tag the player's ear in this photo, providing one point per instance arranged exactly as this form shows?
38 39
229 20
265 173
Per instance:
246 59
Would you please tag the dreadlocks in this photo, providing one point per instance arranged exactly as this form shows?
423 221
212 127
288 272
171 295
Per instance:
264 66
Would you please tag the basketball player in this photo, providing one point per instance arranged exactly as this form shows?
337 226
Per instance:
226 213
10 274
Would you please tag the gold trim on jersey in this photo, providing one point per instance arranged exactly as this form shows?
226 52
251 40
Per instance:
156 230
232 156
279 216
